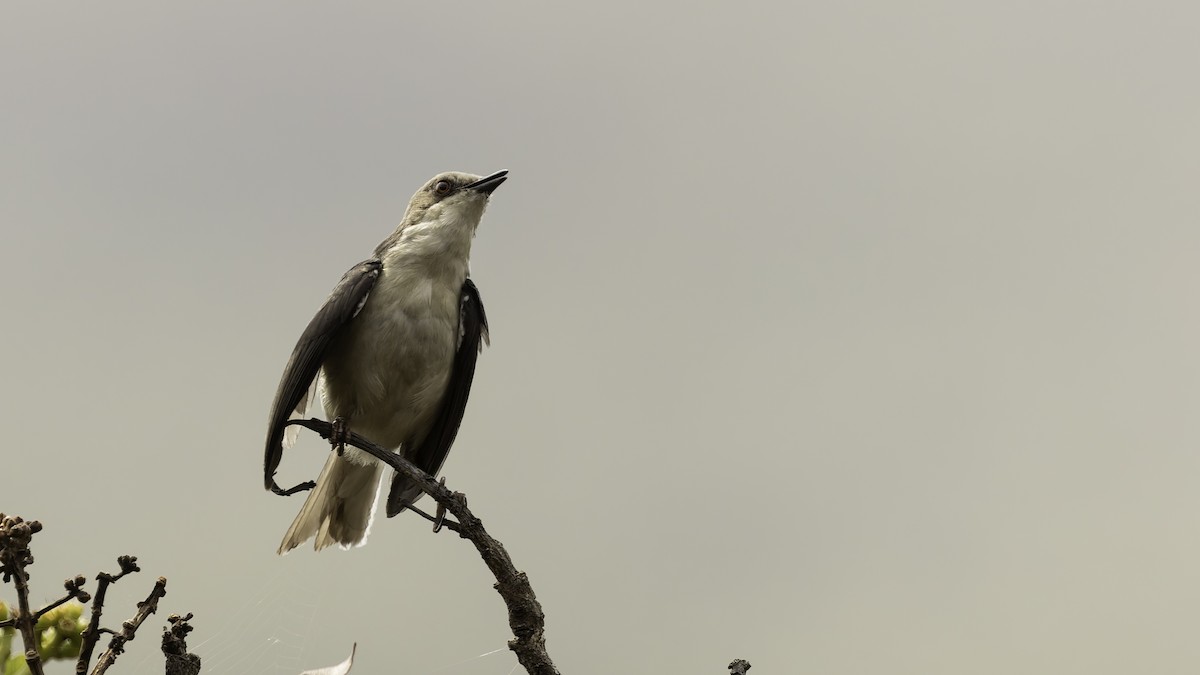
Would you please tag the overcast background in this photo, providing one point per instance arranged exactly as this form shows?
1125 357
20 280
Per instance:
840 337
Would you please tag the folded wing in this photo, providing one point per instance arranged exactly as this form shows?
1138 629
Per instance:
344 303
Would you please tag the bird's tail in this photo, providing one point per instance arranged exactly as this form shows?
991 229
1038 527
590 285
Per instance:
339 510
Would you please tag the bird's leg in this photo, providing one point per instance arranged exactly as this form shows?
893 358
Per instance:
338 433
441 512
439 521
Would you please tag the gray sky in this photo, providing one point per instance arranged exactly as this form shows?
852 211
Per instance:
843 338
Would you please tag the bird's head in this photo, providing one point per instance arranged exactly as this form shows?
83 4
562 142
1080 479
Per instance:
453 198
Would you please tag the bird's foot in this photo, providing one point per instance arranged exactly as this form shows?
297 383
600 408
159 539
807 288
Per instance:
440 518
306 485
338 433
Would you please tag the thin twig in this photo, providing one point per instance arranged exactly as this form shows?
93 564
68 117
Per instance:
15 534
128 564
74 592
129 628
525 615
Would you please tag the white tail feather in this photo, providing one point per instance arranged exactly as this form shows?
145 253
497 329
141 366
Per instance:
339 510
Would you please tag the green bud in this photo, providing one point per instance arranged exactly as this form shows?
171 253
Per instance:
16 666
72 610
49 641
71 628
68 649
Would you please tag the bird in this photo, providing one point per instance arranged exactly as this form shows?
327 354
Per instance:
392 353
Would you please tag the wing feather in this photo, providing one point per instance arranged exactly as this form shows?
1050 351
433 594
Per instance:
293 395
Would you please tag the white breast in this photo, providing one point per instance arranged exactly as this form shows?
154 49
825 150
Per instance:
387 374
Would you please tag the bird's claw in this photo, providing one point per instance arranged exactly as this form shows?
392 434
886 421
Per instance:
338 433
440 518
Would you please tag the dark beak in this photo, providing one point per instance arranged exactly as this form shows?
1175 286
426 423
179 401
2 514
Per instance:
487 184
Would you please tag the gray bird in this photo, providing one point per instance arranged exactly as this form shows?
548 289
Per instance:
393 353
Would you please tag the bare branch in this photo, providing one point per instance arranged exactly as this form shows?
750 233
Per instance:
15 534
128 564
525 616
174 647
129 628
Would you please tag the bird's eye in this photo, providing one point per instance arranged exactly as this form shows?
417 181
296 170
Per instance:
443 187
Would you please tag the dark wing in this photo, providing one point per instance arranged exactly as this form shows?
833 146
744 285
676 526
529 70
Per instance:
343 305
473 333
